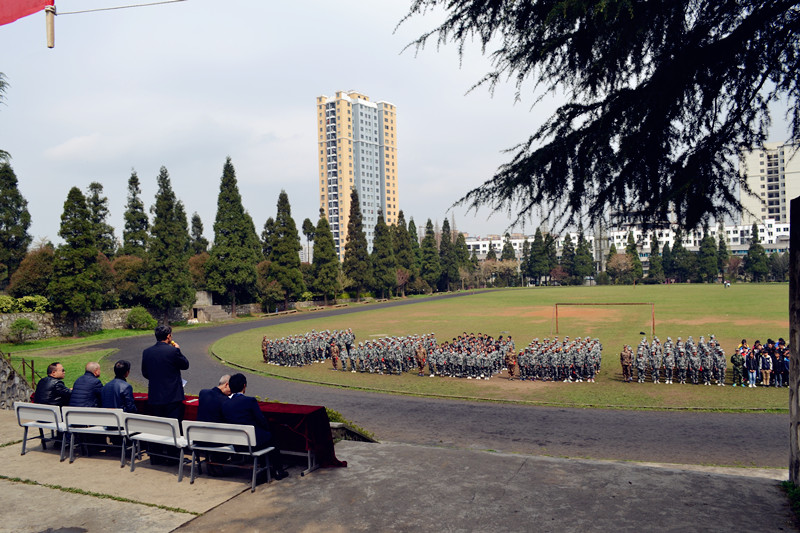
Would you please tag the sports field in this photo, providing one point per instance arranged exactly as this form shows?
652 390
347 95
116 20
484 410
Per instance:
751 311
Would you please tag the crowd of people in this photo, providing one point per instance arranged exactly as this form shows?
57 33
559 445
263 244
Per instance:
705 362
564 360
311 347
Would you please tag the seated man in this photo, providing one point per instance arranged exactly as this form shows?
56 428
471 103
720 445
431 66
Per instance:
211 400
51 389
241 409
118 393
87 390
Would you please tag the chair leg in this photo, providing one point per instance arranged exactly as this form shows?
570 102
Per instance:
24 439
191 477
255 473
180 466
72 447
122 455
63 447
44 441
135 450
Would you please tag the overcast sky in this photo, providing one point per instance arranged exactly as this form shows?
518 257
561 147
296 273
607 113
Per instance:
184 85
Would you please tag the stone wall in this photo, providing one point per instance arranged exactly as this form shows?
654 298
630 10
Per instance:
13 387
54 326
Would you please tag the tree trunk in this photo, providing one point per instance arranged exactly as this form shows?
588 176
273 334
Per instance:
325 297
233 304
794 342
75 326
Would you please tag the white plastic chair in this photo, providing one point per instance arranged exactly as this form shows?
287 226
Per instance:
213 437
155 430
43 417
94 421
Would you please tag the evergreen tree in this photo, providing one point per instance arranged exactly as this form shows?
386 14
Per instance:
584 264
612 251
384 266
34 273
75 289
633 253
448 260
684 262
660 98
135 234
656 270
491 255
14 220
3 84
285 257
507 253
722 251
431 269
167 280
231 266
524 264
551 253
308 230
779 266
128 271
666 261
707 266
414 236
326 262
357 266
199 242
267 237
403 252
537 264
756 263
102 232
567 261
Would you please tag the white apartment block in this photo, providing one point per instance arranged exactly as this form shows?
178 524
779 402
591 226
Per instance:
773 174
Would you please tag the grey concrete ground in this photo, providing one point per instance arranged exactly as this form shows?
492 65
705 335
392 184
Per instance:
400 487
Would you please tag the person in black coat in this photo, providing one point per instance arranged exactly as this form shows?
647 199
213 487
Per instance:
51 390
211 401
241 409
87 390
118 393
161 366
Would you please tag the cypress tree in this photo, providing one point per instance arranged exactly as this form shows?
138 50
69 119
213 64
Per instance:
414 236
666 261
356 266
135 234
384 266
231 266
491 255
550 253
507 254
285 255
448 260
403 252
568 256
524 264
583 265
309 230
75 289
14 221
656 270
326 261
430 270
168 283
633 253
102 232
267 238
707 258
756 262
199 242
722 251
537 263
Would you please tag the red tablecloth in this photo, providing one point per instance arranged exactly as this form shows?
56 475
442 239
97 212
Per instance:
295 427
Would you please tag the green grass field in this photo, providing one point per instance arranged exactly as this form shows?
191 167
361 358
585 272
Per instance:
752 311
74 364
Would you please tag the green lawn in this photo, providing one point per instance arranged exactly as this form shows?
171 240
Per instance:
752 311
74 364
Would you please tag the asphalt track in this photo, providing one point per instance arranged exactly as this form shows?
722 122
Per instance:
706 438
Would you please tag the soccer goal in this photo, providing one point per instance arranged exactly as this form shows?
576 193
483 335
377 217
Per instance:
603 304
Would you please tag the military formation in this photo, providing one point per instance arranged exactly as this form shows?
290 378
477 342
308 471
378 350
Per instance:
679 361
564 360
300 350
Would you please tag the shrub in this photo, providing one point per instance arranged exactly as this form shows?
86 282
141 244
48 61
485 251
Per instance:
20 329
307 296
140 318
7 304
33 304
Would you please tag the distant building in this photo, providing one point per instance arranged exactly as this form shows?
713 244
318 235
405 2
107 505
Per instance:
773 174
357 145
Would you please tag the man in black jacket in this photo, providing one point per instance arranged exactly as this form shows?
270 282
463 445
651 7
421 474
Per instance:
87 390
211 400
161 366
118 393
241 409
51 389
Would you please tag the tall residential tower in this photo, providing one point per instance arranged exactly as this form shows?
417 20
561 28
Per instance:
773 174
357 149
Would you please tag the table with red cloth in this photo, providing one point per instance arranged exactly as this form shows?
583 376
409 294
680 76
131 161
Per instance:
297 429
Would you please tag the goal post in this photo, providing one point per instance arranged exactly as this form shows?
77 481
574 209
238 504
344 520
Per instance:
601 304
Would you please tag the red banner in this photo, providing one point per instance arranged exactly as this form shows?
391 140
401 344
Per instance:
11 10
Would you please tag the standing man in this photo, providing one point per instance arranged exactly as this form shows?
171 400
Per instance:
626 360
118 393
511 364
87 390
161 366
51 389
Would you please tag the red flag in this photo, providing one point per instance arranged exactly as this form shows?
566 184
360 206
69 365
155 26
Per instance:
11 10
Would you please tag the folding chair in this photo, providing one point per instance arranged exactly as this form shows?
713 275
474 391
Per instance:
224 438
43 417
95 421
155 430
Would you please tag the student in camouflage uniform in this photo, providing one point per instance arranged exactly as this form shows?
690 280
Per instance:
682 364
669 365
694 366
720 364
737 362
334 353
641 364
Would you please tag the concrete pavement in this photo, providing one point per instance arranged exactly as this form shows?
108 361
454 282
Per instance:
389 487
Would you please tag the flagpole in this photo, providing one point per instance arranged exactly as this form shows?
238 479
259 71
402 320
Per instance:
50 12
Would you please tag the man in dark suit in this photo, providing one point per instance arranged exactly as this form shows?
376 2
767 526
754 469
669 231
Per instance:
211 401
88 389
161 366
241 409
51 389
